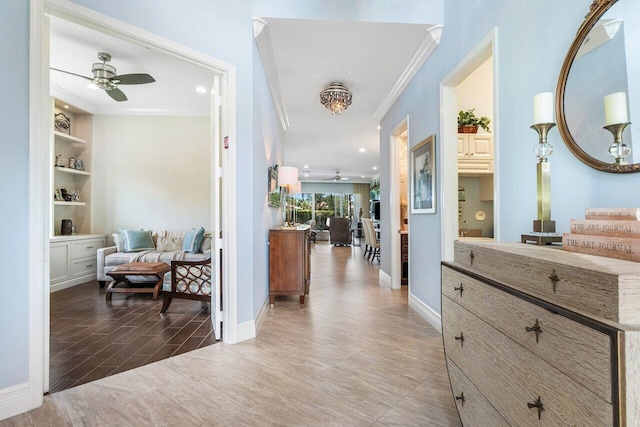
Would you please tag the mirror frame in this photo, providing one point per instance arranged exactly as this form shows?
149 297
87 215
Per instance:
596 10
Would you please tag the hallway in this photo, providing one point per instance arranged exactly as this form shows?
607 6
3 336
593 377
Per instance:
355 355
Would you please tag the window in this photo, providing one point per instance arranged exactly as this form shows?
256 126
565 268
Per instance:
322 206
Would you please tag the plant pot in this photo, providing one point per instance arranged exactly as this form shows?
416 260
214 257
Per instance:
468 129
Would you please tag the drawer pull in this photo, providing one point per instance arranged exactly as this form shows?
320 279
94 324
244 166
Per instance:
554 280
89 247
461 398
535 328
538 405
459 288
461 339
87 266
471 257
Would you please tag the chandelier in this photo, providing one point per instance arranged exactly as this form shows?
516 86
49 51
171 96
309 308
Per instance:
336 97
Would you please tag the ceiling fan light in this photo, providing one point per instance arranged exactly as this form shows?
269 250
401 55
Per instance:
336 97
92 85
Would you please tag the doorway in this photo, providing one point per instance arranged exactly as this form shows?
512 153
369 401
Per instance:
399 215
222 118
485 50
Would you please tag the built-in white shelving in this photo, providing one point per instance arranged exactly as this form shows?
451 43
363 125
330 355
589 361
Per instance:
63 137
72 171
59 203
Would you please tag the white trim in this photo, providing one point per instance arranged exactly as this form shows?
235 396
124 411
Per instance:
394 202
261 314
39 165
245 331
384 278
426 312
449 112
263 40
14 400
71 283
431 41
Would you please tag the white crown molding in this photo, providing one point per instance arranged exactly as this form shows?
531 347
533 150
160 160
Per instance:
72 98
263 40
431 41
426 312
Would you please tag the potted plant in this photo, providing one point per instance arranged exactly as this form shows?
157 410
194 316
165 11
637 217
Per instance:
468 122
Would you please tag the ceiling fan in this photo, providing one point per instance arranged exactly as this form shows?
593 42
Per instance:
337 178
105 77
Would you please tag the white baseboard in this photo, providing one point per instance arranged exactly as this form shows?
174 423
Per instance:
14 400
262 313
245 331
426 312
384 278
73 282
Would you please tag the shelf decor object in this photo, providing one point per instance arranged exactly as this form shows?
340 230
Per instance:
287 177
616 119
62 123
336 97
544 228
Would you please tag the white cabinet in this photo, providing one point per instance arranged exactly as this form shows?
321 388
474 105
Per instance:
73 259
76 145
475 153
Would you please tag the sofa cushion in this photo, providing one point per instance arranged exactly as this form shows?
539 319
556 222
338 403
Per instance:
137 240
193 240
118 241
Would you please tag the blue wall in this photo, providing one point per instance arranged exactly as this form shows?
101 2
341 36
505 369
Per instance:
533 39
14 209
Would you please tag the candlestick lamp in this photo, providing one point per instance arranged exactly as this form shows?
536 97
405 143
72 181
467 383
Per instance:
616 119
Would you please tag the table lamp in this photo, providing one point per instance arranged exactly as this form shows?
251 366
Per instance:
287 176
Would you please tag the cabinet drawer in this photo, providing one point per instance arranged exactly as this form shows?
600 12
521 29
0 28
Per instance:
511 377
83 267
474 409
578 281
579 351
85 248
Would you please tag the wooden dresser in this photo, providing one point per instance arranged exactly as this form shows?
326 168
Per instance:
289 263
539 336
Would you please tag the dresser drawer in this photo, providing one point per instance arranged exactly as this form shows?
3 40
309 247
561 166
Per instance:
85 248
600 286
579 351
83 267
474 409
511 377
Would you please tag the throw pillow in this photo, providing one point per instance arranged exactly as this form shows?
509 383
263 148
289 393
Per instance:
137 240
206 243
193 240
118 241
165 243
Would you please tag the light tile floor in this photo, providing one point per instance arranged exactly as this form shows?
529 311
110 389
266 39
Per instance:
356 355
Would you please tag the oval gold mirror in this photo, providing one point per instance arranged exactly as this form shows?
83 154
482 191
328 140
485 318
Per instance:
602 61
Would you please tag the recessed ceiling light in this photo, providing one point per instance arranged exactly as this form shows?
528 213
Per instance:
362 150
66 106
306 174
375 168
306 166
379 127
345 178
361 176
201 89
92 86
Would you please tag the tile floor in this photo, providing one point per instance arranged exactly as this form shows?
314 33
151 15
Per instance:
356 355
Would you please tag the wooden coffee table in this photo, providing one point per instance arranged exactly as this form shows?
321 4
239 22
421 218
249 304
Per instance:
120 273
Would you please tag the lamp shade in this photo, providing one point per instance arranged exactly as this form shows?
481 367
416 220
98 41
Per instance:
287 175
295 188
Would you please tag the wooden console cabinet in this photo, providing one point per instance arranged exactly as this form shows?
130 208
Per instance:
289 263
539 336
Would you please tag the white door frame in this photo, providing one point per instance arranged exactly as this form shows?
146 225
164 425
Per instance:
487 47
39 224
394 201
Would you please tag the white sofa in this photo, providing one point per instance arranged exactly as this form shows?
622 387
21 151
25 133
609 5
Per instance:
167 248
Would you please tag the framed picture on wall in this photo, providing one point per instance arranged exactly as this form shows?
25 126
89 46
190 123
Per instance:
274 191
423 176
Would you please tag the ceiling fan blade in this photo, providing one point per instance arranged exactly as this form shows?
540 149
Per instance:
133 79
73 74
117 94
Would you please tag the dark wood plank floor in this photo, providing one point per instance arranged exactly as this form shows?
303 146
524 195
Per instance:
92 338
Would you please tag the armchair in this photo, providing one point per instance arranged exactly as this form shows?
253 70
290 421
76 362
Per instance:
340 231
189 280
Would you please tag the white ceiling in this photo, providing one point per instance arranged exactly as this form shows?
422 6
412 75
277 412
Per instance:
75 48
368 58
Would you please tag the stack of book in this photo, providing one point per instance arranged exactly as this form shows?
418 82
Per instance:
608 232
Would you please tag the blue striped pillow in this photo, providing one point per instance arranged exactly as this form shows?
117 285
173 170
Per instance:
193 240
137 240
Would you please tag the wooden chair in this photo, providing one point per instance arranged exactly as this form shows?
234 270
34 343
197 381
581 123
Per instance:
373 244
189 280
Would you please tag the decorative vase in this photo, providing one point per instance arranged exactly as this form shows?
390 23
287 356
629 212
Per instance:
468 129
